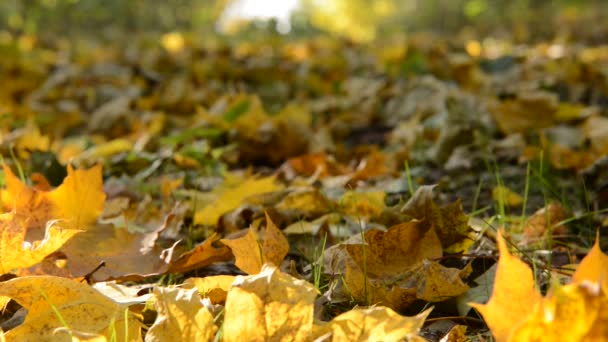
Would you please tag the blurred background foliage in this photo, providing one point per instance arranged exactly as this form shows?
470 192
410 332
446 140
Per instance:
359 20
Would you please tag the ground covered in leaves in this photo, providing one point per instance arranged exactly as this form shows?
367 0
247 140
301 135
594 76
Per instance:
273 189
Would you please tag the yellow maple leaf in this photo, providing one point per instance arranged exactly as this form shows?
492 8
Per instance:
29 205
575 312
375 324
229 198
257 248
181 317
75 204
54 302
269 306
514 295
79 200
16 253
593 267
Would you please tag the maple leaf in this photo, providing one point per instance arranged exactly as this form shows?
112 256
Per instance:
16 253
511 300
375 324
393 268
270 305
54 302
257 248
75 204
517 312
181 317
449 222
229 198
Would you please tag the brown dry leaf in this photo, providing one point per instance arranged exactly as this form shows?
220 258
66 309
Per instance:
215 287
393 267
16 253
257 248
54 302
374 324
449 222
181 317
398 249
125 255
545 219
203 255
373 165
269 306
533 110
229 198
514 296
319 164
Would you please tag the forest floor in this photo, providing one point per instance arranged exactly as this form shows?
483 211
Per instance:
292 152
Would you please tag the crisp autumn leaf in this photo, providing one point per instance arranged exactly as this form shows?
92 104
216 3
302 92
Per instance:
202 255
17 253
54 302
304 203
29 205
79 200
269 306
231 197
76 203
513 297
374 324
181 317
214 287
544 219
532 110
125 255
593 267
319 164
393 268
449 222
575 312
360 204
259 247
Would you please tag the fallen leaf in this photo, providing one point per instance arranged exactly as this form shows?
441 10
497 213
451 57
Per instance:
259 247
181 317
449 222
229 198
54 302
546 219
16 253
215 287
514 296
593 267
269 306
375 324
202 255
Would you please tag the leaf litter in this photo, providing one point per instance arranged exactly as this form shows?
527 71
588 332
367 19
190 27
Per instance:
359 203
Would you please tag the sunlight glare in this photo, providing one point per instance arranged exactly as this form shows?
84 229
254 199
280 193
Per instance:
240 10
